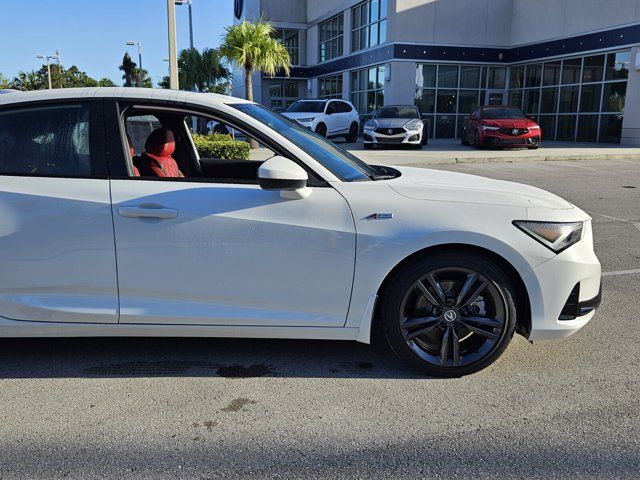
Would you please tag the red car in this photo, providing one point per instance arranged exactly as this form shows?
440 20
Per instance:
500 126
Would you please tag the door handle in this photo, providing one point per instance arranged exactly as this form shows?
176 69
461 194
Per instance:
140 212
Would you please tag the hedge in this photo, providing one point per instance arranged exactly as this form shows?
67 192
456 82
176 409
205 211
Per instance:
216 145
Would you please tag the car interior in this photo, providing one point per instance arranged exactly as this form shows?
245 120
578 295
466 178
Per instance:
160 144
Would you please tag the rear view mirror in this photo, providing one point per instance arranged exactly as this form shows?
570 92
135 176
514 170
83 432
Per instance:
280 173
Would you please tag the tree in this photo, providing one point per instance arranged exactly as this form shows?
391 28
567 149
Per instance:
128 66
203 72
4 82
146 79
60 78
106 82
252 46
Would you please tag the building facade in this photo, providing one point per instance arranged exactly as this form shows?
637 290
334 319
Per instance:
575 64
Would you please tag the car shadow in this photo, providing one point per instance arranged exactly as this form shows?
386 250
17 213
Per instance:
196 357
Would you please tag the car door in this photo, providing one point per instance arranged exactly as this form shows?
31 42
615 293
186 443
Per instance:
57 253
203 252
334 124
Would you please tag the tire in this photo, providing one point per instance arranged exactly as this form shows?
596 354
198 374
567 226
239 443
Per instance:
476 141
463 138
424 140
533 147
483 324
368 146
352 136
321 129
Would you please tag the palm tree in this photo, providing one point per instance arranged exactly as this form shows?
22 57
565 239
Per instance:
252 46
128 66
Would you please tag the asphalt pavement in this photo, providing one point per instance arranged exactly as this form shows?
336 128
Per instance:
221 408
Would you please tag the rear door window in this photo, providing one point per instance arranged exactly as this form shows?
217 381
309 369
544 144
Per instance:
46 141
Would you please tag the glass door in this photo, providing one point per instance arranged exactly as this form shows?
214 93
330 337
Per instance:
496 97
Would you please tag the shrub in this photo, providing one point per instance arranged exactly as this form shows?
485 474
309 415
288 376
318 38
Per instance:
216 145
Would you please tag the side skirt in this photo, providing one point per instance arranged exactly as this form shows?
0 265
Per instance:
20 328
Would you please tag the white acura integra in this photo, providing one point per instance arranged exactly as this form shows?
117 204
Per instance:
110 230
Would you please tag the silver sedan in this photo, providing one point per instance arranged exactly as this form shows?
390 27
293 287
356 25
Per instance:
395 125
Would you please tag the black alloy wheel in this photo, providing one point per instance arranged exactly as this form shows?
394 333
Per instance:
450 315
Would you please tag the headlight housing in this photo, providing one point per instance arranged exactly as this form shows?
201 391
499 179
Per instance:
413 124
489 128
556 236
306 120
370 125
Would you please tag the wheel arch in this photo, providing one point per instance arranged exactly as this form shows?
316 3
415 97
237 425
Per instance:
523 300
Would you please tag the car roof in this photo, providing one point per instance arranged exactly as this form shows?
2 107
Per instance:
213 99
323 100
403 106
499 106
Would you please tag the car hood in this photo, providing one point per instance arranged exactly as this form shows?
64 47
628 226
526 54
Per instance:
391 122
297 115
511 123
438 185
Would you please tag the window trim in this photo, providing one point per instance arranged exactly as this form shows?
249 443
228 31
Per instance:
339 38
98 154
315 180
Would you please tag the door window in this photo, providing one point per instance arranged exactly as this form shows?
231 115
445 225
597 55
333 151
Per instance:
46 141
343 107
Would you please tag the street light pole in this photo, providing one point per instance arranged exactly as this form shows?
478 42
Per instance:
173 56
140 73
46 57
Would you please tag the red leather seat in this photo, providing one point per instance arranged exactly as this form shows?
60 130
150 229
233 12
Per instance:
157 160
132 151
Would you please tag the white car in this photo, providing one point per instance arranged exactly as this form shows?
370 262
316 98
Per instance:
99 240
328 118
399 125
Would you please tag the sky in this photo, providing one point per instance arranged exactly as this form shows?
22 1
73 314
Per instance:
91 34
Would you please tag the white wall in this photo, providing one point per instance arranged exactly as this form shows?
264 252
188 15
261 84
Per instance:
631 120
539 20
291 11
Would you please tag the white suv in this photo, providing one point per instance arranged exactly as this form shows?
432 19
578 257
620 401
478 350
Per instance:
328 118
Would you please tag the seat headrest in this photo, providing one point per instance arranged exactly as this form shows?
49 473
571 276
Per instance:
160 142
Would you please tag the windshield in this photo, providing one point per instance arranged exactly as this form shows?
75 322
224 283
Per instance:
306 107
397 112
338 161
495 113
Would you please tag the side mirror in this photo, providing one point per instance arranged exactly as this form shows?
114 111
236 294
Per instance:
280 173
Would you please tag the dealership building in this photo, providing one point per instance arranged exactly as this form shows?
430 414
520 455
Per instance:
575 64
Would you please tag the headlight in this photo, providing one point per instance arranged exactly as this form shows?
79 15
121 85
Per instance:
556 236
370 125
414 124
306 120
534 127
488 128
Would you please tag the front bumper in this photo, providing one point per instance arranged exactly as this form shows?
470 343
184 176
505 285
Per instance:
570 291
530 139
408 137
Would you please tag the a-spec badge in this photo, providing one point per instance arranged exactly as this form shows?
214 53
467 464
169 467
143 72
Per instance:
379 216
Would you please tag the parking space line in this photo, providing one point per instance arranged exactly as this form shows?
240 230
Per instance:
621 272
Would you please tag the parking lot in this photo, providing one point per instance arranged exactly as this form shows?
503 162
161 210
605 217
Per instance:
220 408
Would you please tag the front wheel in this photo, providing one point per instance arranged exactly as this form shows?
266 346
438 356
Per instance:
449 315
321 130
352 136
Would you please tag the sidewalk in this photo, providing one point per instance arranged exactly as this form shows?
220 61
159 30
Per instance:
450 151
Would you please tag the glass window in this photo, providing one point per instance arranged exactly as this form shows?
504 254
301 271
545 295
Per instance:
548 126
593 69
534 75
467 101
291 41
497 77
515 98
614 97
571 70
610 128
568 99
549 100
469 77
566 128
447 76
445 126
551 75
426 76
282 93
331 37
531 101
51 140
587 128
330 87
396 112
368 24
446 101
338 161
367 89
516 77
426 100
590 98
618 65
